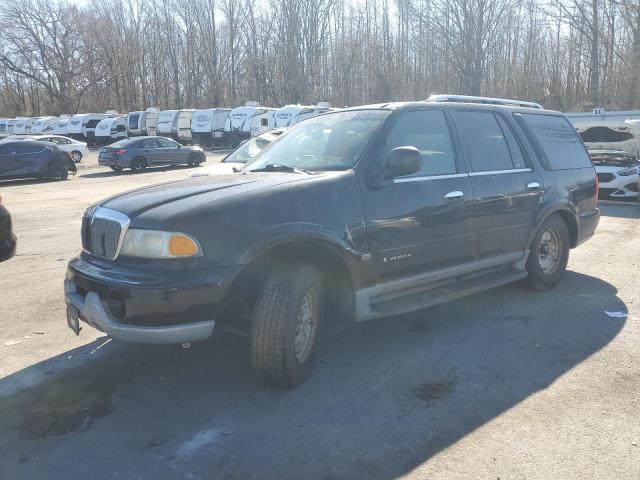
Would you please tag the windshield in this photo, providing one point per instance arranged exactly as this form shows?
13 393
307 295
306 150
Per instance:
328 142
247 150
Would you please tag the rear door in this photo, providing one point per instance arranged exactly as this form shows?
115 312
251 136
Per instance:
507 187
8 164
149 149
421 223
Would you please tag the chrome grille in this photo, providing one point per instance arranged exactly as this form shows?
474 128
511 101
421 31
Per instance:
103 231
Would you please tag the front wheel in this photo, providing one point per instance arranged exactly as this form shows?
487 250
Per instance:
285 326
57 171
76 156
194 160
549 254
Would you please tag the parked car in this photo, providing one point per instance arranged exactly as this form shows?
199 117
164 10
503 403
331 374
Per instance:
362 213
7 238
617 175
76 149
138 153
29 159
241 155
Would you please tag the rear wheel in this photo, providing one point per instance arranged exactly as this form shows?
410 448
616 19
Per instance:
138 165
194 160
549 254
76 157
57 171
285 326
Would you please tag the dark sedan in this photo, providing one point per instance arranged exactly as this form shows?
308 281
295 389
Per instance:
29 159
7 238
142 152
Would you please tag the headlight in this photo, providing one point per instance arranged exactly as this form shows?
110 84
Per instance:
158 244
628 171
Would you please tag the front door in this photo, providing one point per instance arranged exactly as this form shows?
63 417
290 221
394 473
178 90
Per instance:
507 187
8 164
168 151
421 222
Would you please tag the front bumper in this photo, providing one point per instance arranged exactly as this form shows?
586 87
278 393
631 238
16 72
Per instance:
143 306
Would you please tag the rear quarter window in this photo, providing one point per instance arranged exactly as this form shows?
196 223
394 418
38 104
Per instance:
555 141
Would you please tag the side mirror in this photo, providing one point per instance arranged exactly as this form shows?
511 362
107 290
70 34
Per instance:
402 161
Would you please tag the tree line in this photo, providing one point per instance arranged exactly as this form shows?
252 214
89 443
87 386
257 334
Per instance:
58 57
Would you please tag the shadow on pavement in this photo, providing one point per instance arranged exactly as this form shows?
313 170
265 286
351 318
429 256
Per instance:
384 398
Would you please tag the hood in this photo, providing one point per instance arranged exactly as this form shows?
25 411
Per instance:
182 195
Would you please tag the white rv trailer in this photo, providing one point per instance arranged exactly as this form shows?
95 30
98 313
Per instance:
289 115
247 121
60 128
207 126
90 122
3 126
142 123
108 130
184 126
74 126
10 124
167 125
23 125
42 124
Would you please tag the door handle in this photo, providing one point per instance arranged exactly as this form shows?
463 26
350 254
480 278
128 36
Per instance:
533 186
454 196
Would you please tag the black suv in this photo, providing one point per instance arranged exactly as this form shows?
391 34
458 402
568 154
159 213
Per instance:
365 212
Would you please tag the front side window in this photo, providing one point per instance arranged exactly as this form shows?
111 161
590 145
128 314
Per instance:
333 141
166 143
487 146
426 130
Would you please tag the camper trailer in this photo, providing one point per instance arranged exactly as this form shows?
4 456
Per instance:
74 126
207 126
60 128
289 115
142 123
3 127
23 125
247 121
184 126
43 124
108 130
90 122
167 125
11 123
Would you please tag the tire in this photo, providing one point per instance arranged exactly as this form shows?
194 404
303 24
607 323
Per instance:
138 165
194 160
282 353
115 169
76 156
57 171
547 263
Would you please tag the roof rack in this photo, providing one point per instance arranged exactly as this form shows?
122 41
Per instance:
484 100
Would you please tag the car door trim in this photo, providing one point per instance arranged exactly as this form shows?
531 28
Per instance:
462 175
429 177
499 172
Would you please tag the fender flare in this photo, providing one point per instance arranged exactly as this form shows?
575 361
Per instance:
566 212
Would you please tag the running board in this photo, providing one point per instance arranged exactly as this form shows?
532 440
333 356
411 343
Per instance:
435 295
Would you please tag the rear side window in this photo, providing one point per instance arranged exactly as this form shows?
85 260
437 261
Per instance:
555 141
486 142
147 143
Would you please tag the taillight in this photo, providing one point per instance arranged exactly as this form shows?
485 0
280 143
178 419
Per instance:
120 152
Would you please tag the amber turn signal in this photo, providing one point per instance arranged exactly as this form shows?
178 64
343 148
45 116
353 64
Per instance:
182 246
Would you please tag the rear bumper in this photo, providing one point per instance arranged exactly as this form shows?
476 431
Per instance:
144 306
587 224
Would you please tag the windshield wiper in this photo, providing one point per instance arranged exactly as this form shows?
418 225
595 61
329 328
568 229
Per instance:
276 167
